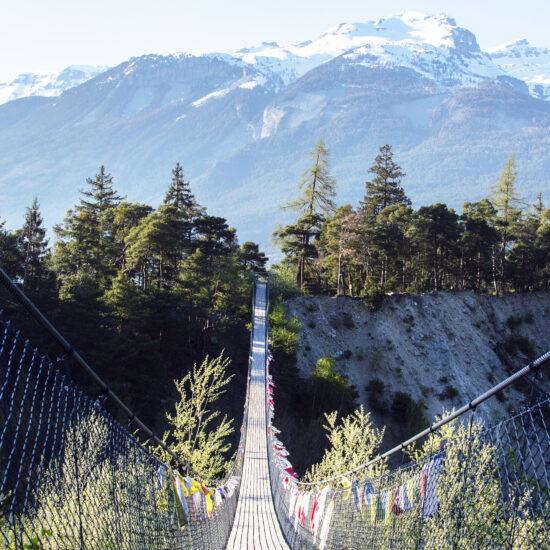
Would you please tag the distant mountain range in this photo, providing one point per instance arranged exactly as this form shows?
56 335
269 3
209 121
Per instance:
243 123
48 85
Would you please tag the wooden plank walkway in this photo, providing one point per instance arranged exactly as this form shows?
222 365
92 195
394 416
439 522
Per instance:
256 524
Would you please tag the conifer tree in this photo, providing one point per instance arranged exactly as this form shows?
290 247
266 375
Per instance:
384 189
317 185
315 203
250 258
478 242
180 196
435 233
101 195
86 242
508 205
33 243
10 253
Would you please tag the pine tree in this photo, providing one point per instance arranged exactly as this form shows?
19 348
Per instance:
86 245
317 185
479 239
10 253
315 203
384 189
340 242
101 194
179 195
508 205
435 233
34 245
154 246
249 257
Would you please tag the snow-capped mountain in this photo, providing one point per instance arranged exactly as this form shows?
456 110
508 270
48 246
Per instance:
47 85
527 63
430 44
242 123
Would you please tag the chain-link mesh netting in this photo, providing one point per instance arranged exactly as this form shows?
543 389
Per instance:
72 477
478 487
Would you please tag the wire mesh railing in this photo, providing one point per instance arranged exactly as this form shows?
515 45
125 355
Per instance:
468 486
73 477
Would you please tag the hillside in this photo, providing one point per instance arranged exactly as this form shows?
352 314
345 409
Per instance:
442 348
242 124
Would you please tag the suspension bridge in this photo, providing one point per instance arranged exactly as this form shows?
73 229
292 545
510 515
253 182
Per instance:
73 477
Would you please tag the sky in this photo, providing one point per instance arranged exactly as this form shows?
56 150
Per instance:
49 35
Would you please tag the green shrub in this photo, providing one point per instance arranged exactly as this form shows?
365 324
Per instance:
284 333
408 413
334 323
347 320
513 321
515 343
375 389
373 297
450 392
376 358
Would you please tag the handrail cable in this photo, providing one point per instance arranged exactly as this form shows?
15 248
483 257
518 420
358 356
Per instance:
534 365
70 351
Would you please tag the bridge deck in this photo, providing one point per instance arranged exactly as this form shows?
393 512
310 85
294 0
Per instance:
256 525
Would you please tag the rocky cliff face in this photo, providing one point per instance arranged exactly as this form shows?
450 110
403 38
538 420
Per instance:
442 348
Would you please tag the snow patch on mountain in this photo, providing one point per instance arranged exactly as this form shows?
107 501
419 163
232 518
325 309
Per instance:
271 118
245 83
527 63
49 85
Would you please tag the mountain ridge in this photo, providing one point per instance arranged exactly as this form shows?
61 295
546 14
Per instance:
242 130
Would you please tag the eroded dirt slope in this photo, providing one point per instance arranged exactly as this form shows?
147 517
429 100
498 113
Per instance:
442 348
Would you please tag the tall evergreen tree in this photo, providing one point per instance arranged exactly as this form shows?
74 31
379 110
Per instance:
508 204
478 244
34 245
86 242
317 185
250 258
384 189
435 233
315 203
341 248
11 260
180 196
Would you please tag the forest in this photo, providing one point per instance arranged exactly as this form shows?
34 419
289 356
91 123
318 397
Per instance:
142 293
497 244
151 297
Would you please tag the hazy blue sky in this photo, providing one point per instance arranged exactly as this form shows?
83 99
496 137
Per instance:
42 35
